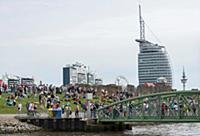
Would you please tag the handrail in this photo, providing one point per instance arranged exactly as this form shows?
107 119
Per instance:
149 95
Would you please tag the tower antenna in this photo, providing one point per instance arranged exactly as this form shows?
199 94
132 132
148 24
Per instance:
184 80
142 27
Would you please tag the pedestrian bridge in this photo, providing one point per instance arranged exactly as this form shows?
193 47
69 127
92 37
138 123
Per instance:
179 106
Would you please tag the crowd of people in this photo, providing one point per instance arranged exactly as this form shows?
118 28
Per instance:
71 99
168 107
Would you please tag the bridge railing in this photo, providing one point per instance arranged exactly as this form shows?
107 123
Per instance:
169 106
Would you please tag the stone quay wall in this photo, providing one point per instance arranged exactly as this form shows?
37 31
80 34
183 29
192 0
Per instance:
9 125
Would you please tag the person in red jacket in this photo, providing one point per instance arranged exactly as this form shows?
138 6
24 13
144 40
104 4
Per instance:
163 107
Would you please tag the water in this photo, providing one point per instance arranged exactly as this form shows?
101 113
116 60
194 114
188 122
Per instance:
182 129
71 134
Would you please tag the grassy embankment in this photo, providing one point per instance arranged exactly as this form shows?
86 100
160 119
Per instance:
5 109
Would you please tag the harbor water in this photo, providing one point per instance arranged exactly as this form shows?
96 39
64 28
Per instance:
181 129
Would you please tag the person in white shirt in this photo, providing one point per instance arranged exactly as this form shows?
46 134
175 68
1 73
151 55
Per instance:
19 107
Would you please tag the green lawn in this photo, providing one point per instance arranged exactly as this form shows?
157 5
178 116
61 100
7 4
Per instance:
4 109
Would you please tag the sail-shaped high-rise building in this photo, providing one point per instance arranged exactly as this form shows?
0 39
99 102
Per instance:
153 60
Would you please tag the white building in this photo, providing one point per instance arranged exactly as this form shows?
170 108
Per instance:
77 74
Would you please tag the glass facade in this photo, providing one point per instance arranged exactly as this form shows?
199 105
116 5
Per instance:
153 63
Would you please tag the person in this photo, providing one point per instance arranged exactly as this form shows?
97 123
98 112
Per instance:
19 107
9 102
34 106
146 107
27 106
0 91
14 102
63 108
68 110
5 88
77 111
193 108
175 107
31 107
163 107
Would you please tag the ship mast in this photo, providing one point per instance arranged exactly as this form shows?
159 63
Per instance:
142 27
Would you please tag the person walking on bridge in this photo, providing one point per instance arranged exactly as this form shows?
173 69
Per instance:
163 109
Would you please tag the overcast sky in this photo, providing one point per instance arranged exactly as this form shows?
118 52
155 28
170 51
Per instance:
38 37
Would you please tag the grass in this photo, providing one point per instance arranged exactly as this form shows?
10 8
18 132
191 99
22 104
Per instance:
4 109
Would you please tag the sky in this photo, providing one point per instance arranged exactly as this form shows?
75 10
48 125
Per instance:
38 38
